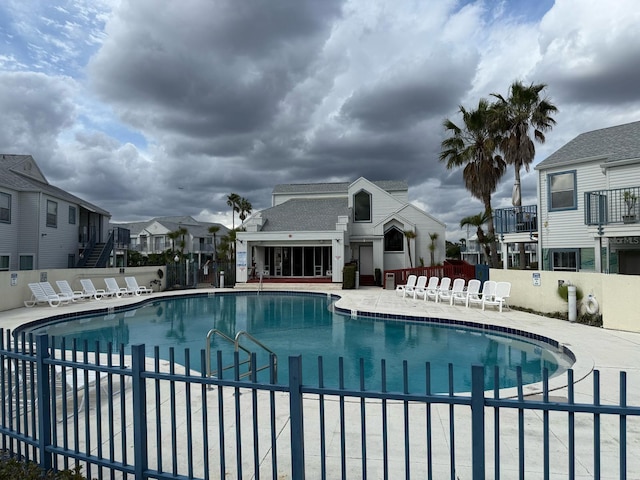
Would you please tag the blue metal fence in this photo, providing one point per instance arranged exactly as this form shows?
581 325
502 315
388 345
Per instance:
144 417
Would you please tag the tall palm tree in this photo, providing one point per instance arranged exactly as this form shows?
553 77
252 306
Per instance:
173 236
244 208
233 201
409 235
478 221
432 247
182 231
524 114
473 147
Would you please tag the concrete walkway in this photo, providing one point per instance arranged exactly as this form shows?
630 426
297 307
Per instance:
607 351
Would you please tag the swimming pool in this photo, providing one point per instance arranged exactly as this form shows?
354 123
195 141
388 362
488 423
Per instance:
308 325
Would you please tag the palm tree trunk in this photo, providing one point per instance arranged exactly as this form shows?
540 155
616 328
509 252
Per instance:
493 259
517 202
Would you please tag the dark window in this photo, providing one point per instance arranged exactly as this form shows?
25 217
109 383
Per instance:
564 260
362 206
5 208
26 262
4 262
52 214
72 215
562 191
393 240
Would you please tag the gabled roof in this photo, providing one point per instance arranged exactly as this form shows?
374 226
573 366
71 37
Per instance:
21 173
304 215
610 144
338 187
195 228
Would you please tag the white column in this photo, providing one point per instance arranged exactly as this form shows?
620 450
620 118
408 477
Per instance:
504 246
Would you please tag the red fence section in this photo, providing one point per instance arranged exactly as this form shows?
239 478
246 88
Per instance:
458 269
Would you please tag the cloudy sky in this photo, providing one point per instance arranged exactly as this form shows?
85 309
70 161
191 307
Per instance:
163 107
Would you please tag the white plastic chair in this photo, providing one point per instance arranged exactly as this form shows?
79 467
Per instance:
38 295
113 289
432 289
443 288
411 282
419 288
65 289
473 288
90 289
500 296
135 289
488 290
457 289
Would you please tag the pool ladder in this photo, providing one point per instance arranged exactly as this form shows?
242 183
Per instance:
236 348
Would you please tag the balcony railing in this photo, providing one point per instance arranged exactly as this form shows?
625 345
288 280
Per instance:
606 207
516 220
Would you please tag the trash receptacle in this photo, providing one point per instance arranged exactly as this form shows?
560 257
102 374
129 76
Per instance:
390 281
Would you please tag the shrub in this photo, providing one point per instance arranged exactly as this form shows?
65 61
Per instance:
13 468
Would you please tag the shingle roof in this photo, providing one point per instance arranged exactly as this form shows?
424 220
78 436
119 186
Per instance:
195 228
303 215
616 143
337 187
9 178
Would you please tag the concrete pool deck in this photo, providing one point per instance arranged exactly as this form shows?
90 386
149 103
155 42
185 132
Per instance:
605 350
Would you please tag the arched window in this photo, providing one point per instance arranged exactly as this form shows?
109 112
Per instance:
393 240
362 206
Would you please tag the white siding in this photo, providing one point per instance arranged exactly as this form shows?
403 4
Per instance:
566 229
621 177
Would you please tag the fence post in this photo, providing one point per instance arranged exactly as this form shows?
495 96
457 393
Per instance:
44 401
139 411
477 421
296 417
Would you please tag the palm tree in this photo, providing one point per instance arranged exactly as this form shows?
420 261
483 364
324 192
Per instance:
244 208
173 236
409 235
521 116
213 229
233 201
432 247
473 146
478 221
182 231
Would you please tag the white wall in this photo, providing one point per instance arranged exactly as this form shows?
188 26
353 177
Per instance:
13 296
616 294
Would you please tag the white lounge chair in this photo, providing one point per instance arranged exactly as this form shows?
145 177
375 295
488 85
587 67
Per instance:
66 290
89 289
488 290
473 288
432 289
411 282
113 289
500 296
50 292
133 287
456 289
38 296
418 288
443 288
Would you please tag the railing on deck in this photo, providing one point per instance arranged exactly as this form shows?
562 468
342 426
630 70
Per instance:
605 207
516 220
151 418
458 269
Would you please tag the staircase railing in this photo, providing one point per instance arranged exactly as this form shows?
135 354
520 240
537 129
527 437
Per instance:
86 253
106 252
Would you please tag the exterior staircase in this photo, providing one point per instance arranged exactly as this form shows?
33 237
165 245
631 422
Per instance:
94 256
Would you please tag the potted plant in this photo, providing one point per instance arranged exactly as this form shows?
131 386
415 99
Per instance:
630 199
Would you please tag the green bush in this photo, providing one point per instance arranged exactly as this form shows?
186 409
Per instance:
13 468
349 277
563 292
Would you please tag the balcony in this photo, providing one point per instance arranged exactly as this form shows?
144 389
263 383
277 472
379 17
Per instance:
610 207
516 220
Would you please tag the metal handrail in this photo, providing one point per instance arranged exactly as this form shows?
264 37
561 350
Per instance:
237 347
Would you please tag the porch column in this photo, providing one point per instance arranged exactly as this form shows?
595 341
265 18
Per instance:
597 250
504 246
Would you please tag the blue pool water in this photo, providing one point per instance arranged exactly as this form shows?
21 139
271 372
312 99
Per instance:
307 325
